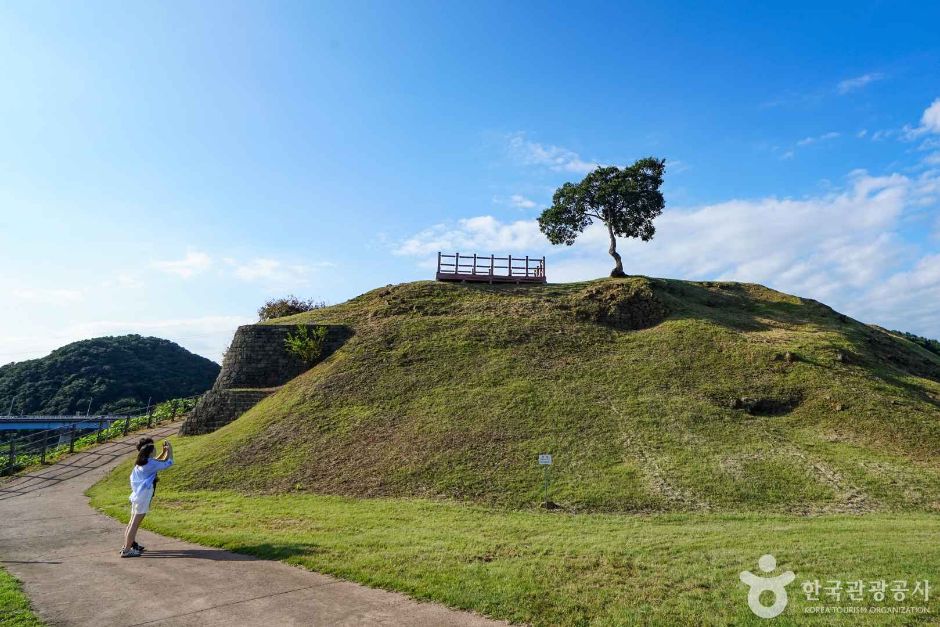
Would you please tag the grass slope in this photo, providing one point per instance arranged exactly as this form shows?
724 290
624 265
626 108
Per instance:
654 396
14 606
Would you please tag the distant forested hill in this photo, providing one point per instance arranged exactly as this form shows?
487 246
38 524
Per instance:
113 373
932 345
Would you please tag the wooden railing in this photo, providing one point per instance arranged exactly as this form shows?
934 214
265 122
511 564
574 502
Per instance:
490 268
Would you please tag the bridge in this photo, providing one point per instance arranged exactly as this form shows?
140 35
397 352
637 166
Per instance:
23 423
32 439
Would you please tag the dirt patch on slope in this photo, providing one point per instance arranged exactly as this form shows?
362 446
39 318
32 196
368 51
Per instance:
628 305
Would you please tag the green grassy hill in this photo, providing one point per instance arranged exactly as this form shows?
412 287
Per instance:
653 395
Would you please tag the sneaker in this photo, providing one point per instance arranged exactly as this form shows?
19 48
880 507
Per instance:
131 552
138 547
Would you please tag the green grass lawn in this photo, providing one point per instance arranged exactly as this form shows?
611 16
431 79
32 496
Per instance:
14 606
555 568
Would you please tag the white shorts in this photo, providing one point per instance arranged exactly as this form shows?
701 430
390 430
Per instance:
141 505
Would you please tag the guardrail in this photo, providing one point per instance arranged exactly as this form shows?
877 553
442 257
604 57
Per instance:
490 268
40 447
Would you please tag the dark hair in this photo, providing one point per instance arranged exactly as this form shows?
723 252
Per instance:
145 448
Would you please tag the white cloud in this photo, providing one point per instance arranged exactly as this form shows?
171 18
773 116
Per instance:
273 271
884 134
520 201
555 158
837 247
123 280
907 299
205 335
858 82
257 270
481 234
930 120
675 166
44 296
929 124
806 141
192 264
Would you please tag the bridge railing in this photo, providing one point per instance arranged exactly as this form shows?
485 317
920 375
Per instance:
42 446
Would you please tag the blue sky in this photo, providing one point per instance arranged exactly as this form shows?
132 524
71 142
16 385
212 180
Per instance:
167 167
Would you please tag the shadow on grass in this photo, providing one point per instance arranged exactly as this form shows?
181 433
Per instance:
240 553
279 551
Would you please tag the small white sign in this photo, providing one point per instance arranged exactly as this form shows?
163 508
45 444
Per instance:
545 459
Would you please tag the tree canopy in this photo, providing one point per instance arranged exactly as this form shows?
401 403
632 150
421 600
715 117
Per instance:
113 374
287 306
626 200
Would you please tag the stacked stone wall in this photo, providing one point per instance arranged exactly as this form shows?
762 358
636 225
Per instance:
255 365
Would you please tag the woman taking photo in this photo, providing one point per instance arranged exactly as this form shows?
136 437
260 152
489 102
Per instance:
143 482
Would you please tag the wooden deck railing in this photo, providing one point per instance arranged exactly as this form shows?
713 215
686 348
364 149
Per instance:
490 269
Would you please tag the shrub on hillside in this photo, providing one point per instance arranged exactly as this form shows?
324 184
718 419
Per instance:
306 343
287 306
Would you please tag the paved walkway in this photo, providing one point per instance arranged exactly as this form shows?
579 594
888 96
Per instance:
66 555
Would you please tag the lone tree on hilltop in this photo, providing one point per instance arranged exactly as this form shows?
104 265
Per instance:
625 199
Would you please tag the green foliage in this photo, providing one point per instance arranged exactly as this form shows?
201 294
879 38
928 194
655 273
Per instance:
932 345
306 343
287 306
625 199
114 374
452 390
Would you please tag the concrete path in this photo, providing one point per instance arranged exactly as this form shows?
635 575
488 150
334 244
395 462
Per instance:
66 555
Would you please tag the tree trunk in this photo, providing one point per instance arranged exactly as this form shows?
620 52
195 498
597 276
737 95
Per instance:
618 269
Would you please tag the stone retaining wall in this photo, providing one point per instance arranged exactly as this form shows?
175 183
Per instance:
256 363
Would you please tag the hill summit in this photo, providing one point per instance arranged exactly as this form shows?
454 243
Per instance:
652 395
114 374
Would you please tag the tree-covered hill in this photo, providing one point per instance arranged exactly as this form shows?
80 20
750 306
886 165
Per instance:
114 373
